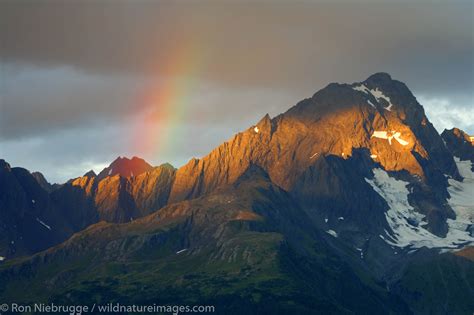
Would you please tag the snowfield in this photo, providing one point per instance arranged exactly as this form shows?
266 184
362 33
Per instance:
407 225
462 197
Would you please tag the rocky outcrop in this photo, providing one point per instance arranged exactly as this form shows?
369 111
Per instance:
459 144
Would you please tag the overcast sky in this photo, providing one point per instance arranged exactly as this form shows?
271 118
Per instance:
79 79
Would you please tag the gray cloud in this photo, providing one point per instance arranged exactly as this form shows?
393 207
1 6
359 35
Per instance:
44 100
266 43
39 101
446 113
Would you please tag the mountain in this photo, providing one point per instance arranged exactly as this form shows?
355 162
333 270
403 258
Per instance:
260 247
29 220
459 143
349 202
43 182
133 189
379 116
126 167
121 198
36 215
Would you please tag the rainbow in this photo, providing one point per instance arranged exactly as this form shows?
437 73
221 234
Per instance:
164 104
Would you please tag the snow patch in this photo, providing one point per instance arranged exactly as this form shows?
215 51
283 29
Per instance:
43 224
389 135
326 220
405 222
2 258
378 94
312 156
373 156
362 88
380 134
361 252
110 171
181 251
33 201
400 140
340 218
332 232
256 129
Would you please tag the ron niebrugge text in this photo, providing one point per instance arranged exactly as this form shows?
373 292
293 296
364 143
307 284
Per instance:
106 308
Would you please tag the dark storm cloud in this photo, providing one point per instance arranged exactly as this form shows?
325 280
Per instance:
264 43
69 68
37 100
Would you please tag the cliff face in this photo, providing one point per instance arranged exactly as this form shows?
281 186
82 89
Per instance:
29 221
151 190
116 198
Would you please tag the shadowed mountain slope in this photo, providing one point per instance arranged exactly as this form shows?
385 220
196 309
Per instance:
245 245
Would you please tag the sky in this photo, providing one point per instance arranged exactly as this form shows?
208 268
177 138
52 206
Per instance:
82 82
